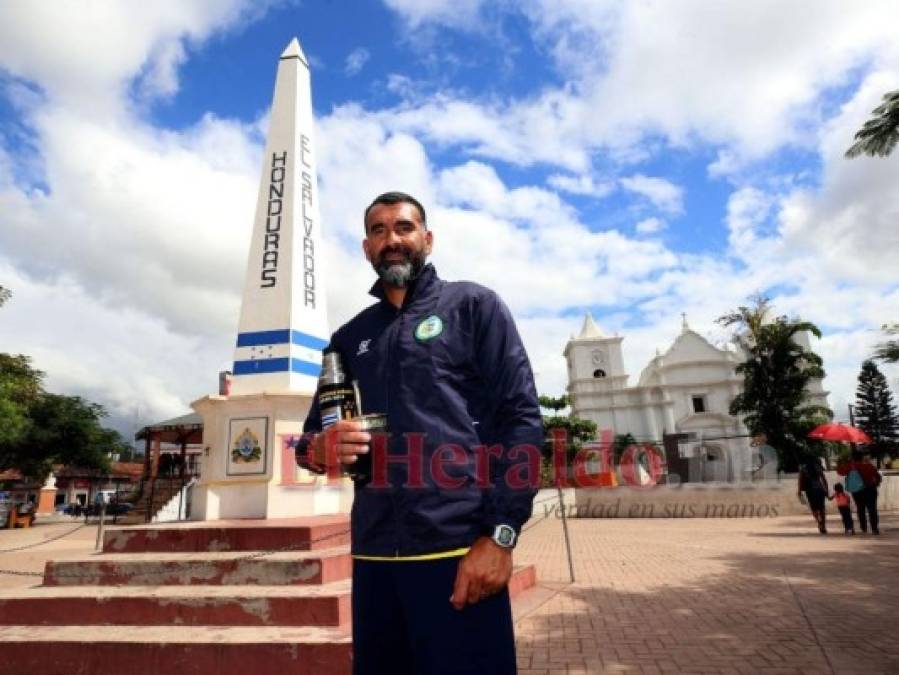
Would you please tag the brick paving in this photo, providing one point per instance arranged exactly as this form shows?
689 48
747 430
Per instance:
711 596
674 596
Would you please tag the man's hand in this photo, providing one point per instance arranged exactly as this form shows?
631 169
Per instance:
483 571
341 443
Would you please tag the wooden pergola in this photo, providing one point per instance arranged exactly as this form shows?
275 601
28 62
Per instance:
181 431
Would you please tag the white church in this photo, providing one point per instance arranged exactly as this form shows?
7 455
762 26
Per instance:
680 401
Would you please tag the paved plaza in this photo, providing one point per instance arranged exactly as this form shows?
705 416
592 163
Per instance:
711 596
678 596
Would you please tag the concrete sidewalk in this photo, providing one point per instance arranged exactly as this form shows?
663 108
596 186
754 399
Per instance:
711 596
75 541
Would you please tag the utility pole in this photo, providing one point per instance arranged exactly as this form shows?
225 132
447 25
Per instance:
851 416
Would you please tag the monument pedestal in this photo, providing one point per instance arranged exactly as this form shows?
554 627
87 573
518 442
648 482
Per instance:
248 468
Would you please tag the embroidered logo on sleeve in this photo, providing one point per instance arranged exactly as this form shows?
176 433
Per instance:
429 328
363 347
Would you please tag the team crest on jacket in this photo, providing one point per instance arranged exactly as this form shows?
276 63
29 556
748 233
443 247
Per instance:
429 328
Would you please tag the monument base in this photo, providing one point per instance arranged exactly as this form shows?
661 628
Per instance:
248 469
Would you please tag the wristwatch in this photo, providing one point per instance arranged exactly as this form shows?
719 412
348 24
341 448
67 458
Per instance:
504 536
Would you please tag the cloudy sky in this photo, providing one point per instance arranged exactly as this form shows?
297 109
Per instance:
635 159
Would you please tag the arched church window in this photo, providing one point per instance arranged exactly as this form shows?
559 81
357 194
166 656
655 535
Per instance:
599 372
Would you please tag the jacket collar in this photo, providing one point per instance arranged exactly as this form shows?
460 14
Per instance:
421 286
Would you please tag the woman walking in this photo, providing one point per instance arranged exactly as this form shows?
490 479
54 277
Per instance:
814 484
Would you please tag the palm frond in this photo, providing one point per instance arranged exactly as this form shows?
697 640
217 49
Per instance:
880 135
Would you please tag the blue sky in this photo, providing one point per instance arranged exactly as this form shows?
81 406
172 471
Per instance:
635 159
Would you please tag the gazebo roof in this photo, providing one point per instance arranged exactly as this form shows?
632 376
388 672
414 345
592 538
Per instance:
184 429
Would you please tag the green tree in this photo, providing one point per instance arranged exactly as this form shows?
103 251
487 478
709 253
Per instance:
39 429
879 134
776 372
554 403
62 430
577 432
875 412
20 387
888 351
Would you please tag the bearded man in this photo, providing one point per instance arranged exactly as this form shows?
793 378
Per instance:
432 544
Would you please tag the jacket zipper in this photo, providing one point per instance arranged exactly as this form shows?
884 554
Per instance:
391 348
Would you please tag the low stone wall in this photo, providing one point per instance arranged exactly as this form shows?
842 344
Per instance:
764 499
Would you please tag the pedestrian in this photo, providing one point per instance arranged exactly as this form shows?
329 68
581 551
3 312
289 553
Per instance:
862 481
432 544
814 484
841 497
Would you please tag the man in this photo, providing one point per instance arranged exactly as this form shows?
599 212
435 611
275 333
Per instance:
863 488
432 545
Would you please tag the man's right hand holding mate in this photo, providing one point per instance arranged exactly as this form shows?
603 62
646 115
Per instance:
340 443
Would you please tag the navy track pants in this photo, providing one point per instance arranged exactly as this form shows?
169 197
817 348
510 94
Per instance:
404 624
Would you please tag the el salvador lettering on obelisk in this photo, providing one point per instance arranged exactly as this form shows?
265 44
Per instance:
248 469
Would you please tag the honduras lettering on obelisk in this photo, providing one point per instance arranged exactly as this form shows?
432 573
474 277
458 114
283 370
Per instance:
283 319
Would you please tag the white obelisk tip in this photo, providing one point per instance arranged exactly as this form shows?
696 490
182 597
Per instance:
294 51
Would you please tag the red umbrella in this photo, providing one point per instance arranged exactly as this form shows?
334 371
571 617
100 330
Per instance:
839 432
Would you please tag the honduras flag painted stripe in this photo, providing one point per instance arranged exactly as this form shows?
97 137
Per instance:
281 336
276 365
277 351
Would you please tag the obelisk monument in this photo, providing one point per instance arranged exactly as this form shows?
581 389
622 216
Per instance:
249 470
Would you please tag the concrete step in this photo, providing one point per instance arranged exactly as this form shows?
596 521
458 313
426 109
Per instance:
308 533
186 650
267 639
184 569
327 605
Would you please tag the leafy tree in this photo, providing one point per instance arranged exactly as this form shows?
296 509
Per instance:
63 430
577 432
875 412
20 387
554 403
775 374
39 429
5 294
888 351
880 134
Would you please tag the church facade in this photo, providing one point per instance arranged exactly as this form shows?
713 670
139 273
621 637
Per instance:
682 396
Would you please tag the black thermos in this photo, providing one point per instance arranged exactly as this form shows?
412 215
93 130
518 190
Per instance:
336 396
337 401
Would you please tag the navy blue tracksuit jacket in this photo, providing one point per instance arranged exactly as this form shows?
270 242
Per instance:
448 367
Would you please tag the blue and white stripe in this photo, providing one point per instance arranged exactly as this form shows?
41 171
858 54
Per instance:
278 351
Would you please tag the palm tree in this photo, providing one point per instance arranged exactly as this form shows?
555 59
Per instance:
775 374
881 133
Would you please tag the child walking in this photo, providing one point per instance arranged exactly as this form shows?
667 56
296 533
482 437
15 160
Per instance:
841 497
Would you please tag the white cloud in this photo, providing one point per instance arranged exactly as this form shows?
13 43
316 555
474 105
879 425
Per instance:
141 248
663 194
581 185
748 79
650 226
85 55
458 13
107 351
356 60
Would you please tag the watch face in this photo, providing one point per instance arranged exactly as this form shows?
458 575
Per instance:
505 535
597 356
